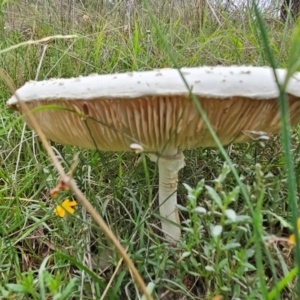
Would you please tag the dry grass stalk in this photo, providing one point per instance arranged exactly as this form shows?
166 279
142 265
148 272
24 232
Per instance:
70 182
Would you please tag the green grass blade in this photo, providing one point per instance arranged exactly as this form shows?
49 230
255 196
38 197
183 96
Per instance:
282 284
285 135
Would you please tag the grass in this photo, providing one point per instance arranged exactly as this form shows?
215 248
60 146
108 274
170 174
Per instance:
225 249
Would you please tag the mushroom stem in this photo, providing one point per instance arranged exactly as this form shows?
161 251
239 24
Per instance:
168 166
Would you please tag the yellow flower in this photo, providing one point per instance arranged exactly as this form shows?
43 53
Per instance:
292 238
66 206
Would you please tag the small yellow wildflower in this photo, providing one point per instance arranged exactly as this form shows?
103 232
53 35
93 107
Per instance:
66 206
292 238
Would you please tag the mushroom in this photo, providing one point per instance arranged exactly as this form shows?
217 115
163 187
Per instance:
152 111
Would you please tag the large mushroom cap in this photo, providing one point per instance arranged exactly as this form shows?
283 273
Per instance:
154 108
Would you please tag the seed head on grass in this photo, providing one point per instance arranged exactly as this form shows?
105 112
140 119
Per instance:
61 186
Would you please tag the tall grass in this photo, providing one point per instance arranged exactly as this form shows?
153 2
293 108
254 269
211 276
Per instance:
244 193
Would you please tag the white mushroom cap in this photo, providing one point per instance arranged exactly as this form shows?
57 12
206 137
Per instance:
153 111
151 108
209 82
